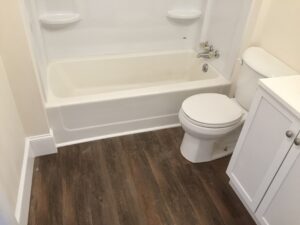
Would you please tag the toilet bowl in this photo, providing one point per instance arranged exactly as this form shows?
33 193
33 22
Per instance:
212 122
206 126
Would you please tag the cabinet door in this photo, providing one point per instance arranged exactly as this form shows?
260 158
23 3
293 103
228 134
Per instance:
281 205
261 148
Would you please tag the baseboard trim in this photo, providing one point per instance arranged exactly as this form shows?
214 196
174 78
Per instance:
43 144
23 200
34 147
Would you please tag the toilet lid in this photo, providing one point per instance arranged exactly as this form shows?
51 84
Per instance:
212 110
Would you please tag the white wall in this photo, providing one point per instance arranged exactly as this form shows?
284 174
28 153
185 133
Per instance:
225 30
22 113
278 30
6 214
31 22
12 141
19 66
274 26
118 26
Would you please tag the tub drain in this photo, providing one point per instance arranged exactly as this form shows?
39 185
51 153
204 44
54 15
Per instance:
205 67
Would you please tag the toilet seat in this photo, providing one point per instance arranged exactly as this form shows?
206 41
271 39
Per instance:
212 110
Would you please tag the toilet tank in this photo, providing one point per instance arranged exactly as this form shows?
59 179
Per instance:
257 64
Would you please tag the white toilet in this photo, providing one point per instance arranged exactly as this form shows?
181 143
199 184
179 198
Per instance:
212 122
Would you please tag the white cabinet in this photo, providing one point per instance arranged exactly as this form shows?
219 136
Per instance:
265 166
265 141
281 205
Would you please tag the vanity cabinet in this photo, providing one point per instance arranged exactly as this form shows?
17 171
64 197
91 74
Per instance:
266 138
265 167
281 205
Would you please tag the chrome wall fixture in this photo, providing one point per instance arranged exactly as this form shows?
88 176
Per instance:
209 52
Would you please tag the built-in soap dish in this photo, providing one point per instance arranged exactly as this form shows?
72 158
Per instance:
184 14
59 18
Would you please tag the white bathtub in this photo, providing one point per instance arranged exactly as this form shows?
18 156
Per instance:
96 98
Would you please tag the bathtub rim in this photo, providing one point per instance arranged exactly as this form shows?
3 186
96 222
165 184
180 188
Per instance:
54 101
117 56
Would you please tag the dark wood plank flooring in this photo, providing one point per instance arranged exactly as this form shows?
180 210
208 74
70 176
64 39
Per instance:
139 179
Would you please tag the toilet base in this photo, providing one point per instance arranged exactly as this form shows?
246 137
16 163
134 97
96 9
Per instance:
198 150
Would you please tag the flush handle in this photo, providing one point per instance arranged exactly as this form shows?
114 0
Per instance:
289 134
297 141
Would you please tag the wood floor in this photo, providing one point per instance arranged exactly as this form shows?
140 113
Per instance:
139 179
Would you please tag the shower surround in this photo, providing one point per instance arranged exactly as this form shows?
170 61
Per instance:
109 68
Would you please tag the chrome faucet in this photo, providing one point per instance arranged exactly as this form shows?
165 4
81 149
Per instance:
209 51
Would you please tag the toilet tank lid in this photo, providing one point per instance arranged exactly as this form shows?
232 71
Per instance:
266 64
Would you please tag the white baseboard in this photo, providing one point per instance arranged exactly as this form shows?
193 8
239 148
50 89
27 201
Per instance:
34 147
43 145
23 200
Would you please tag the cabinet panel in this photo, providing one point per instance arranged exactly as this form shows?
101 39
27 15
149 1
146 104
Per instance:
281 204
260 150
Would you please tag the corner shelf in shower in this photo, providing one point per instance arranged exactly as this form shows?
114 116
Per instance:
59 18
184 14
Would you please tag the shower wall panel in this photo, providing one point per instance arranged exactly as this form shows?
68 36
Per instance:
117 27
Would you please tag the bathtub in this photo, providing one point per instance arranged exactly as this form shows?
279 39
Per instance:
95 98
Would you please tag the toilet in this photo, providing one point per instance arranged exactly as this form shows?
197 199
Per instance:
212 122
